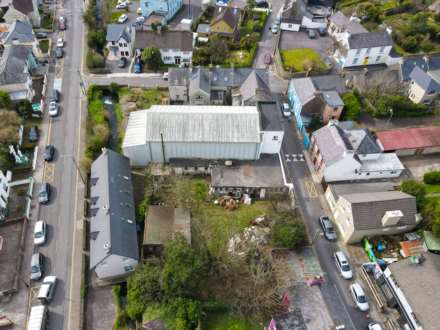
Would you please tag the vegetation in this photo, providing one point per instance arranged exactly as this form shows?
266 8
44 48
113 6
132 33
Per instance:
47 20
44 45
288 231
94 60
221 321
96 34
24 108
352 106
302 59
416 189
5 100
143 98
151 57
432 178
400 105
8 135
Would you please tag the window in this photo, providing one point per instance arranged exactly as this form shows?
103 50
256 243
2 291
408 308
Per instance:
358 51
378 58
122 53
126 53
355 60
381 49
113 43
368 173
275 138
128 268
120 44
125 44
368 50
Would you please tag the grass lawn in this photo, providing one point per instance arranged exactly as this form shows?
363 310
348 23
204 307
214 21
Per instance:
432 189
44 45
115 16
144 98
295 58
225 321
47 21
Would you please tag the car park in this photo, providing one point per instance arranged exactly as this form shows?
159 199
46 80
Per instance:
37 265
327 228
54 95
59 53
41 35
33 134
47 289
60 42
54 109
39 232
359 297
267 59
49 152
62 23
122 19
122 62
44 193
343 265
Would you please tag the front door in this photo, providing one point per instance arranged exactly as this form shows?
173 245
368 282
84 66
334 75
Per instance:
177 60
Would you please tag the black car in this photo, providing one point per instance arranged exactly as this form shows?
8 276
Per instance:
49 152
54 96
33 134
41 35
263 4
59 52
44 193
327 228
122 62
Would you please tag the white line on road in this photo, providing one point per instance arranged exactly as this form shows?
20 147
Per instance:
345 307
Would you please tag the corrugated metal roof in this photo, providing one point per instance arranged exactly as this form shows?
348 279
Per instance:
180 123
136 132
410 138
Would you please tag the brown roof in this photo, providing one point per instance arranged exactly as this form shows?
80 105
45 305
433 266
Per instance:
182 40
229 15
24 6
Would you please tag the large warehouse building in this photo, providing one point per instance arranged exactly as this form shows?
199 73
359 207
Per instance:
167 132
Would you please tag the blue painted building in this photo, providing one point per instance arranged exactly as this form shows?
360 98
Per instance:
166 8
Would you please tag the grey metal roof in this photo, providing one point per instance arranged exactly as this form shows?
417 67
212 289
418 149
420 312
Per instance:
255 87
225 124
200 81
332 98
369 208
203 28
182 40
270 116
118 31
423 62
370 39
418 283
21 32
424 80
13 68
113 222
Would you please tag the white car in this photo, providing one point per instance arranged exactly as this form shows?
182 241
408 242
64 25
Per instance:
343 265
122 19
139 11
60 42
286 110
165 76
47 289
274 28
40 233
359 297
121 5
140 19
53 109
374 326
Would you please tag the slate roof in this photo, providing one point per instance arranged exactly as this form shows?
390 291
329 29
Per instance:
113 222
370 39
254 87
182 40
118 31
330 83
200 81
362 141
229 15
13 64
21 32
332 98
181 123
179 76
203 28
305 89
425 80
270 116
369 208
339 19
418 283
423 62
24 6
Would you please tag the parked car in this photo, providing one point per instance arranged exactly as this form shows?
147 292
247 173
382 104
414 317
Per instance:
60 42
54 109
267 59
165 76
322 32
122 5
359 297
62 23
41 35
39 232
49 152
33 134
374 326
47 289
122 19
327 228
140 20
137 65
54 95
285 110
274 29
44 193
139 11
59 53
37 265
277 21
312 34
263 4
122 62
343 265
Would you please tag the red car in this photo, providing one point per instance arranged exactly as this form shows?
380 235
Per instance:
62 23
268 59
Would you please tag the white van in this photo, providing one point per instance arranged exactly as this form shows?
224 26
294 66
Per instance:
343 265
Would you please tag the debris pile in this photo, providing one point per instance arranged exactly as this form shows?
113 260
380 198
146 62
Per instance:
255 235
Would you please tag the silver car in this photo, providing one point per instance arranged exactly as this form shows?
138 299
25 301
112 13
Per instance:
327 228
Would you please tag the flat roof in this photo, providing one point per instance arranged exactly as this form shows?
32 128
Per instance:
262 173
367 187
385 162
419 283
410 138
270 116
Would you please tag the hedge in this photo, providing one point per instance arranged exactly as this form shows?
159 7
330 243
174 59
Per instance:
432 177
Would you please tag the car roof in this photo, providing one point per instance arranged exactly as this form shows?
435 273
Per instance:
50 279
44 289
39 225
341 255
357 287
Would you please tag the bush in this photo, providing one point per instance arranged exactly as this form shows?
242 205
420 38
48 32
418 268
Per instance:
432 177
352 106
288 232
409 43
401 106
152 58
415 189
94 60
5 101
24 108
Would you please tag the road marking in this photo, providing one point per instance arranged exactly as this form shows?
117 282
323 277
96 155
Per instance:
311 189
49 172
294 157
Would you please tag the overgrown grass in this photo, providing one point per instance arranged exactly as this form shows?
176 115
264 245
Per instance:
432 189
44 45
115 16
299 59
241 58
225 321
47 21
144 98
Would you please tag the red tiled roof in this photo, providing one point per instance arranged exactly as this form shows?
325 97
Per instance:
410 138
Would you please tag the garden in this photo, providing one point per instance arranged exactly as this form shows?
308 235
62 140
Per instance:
302 59
44 45
415 27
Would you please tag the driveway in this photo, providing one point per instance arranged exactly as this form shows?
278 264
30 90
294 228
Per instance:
101 309
190 9
291 40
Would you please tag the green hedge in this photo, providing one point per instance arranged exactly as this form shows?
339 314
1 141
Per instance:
432 177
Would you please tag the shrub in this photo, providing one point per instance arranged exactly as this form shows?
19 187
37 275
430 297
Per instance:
94 60
432 177
5 101
152 58
288 232
401 106
409 43
415 189
352 106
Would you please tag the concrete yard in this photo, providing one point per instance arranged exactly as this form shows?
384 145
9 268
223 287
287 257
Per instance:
101 308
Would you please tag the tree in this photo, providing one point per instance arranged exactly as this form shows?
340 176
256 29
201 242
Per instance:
143 288
415 189
187 313
5 100
288 232
352 106
409 43
24 108
151 57
94 60
10 123
96 39
5 158
217 50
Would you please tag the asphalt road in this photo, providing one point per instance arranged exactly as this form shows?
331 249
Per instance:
63 132
335 288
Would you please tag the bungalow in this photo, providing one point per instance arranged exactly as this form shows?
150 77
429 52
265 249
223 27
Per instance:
176 47
16 67
120 41
371 209
340 154
113 237
22 10
226 22
163 9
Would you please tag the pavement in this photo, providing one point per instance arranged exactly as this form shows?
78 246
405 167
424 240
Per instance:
101 308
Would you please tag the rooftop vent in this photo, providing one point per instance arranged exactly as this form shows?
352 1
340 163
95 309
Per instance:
391 218
107 246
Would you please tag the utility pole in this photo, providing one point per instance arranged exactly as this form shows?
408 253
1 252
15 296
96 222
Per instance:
79 171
